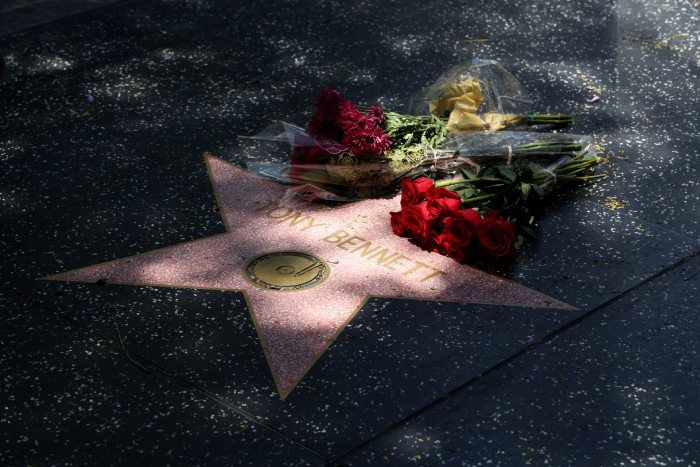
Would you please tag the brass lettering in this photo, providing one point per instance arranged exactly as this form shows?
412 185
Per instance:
296 218
352 241
383 256
365 247
432 274
336 236
311 225
415 268
396 261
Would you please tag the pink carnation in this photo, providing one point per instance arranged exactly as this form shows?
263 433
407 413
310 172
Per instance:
376 115
349 116
339 120
366 139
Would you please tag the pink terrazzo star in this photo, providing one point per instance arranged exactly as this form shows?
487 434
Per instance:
366 260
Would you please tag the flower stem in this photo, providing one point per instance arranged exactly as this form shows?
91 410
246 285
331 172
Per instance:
461 181
480 198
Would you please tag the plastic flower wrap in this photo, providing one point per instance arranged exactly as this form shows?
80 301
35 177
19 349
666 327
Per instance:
493 88
516 147
350 151
323 169
469 190
480 95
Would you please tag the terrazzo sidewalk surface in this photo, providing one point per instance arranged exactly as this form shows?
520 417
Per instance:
104 121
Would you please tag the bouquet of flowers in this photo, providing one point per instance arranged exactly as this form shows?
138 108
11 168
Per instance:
444 216
350 151
486 185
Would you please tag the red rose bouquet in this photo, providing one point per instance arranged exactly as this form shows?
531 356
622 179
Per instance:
444 216
434 218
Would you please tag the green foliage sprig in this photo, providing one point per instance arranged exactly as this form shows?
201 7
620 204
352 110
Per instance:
519 191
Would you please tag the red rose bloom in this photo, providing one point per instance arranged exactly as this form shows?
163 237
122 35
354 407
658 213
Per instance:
457 238
471 215
449 245
414 191
431 240
497 241
442 207
439 193
418 221
459 228
398 224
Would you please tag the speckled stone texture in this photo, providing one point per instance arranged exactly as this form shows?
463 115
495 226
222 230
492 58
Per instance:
621 390
18 15
68 398
104 121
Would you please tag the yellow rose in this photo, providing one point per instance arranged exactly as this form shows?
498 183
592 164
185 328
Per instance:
462 101
463 120
463 95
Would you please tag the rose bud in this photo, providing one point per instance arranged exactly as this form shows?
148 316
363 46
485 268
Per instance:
442 207
398 224
414 191
438 193
418 221
497 241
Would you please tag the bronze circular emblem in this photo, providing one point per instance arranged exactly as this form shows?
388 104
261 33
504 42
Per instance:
286 270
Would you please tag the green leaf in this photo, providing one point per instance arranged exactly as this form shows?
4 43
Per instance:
526 188
507 172
467 173
467 193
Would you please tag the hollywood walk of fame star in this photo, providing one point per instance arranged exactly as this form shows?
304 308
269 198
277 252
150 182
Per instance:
306 270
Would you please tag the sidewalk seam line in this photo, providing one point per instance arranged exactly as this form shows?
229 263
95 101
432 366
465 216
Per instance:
523 351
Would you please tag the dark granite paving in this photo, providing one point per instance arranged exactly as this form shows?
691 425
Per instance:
104 121
70 398
619 390
18 15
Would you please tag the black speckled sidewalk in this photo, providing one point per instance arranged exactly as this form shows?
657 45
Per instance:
104 118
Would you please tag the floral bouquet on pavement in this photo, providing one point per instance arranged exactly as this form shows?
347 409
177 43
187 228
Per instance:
350 151
469 189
